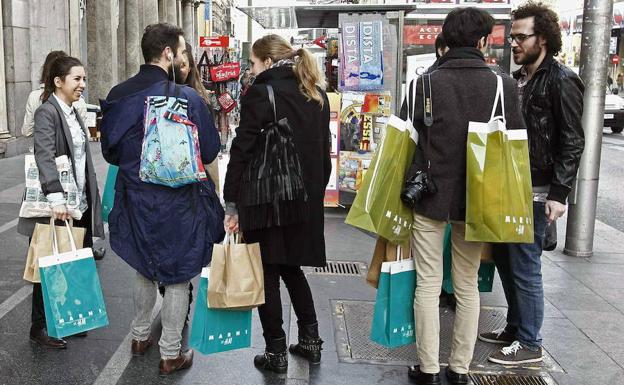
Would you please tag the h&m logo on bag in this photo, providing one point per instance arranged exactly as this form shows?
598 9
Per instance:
521 223
400 223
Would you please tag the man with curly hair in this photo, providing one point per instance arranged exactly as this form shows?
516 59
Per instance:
551 98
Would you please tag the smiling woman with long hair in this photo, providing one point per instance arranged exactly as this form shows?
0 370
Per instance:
59 130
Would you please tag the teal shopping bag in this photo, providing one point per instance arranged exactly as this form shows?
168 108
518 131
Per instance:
72 295
218 330
486 270
393 316
108 197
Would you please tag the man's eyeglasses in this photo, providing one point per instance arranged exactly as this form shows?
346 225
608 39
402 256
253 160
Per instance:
519 38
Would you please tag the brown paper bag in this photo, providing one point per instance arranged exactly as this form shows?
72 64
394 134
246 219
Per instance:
486 253
236 278
384 252
41 246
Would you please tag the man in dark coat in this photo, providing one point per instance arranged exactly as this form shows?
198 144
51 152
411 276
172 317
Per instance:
166 234
552 105
463 90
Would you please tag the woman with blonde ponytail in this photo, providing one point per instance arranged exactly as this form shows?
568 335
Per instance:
292 236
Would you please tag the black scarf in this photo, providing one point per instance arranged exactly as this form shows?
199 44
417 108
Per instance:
461 53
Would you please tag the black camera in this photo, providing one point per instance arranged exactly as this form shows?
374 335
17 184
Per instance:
417 187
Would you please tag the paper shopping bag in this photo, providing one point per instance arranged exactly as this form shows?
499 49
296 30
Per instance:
486 270
72 295
108 197
499 200
384 252
218 330
41 246
377 206
393 317
236 275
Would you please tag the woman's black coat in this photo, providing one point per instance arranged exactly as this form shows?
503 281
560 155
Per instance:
301 244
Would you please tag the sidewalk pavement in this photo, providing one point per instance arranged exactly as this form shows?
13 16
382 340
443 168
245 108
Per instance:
583 331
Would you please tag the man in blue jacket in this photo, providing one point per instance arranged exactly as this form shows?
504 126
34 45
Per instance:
166 234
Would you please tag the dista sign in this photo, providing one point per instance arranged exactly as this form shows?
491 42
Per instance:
351 40
368 42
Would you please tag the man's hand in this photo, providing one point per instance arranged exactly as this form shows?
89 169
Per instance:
230 223
554 210
60 212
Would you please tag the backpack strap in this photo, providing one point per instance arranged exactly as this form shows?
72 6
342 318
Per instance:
272 100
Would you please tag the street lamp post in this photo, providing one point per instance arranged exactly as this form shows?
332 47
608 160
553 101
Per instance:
597 22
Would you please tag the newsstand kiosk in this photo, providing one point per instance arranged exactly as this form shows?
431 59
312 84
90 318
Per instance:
373 51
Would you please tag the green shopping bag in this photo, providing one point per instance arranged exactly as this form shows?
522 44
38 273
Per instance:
393 316
486 270
72 295
377 206
108 197
218 330
499 199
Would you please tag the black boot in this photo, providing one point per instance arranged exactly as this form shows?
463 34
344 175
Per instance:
274 358
309 346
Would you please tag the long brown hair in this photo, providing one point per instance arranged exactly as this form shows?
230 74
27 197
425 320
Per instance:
45 69
276 48
60 68
194 78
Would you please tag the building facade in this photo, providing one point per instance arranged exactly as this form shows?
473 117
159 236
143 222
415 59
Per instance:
104 34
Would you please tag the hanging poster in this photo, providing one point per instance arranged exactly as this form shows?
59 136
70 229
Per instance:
361 53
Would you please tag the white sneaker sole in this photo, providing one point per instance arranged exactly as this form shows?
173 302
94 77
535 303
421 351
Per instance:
503 362
497 342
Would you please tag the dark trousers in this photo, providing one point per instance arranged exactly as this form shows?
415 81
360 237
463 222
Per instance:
300 297
38 314
519 266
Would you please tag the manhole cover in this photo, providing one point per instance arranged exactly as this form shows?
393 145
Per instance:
510 379
339 268
352 320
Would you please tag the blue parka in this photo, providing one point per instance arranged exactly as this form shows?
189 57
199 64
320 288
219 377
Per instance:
166 234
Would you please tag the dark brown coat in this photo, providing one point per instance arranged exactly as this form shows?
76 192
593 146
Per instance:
463 90
302 244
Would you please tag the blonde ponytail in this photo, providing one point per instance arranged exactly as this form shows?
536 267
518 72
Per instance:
306 70
309 76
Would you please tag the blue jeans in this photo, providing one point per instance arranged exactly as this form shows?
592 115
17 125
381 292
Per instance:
520 269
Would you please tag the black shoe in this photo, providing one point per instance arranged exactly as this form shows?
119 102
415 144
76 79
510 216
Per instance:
456 378
309 346
516 354
499 336
41 337
99 253
275 358
421 378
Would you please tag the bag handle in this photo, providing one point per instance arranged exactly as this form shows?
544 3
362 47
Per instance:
72 242
399 253
500 95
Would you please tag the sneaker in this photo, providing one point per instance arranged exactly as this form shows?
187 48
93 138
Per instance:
499 336
516 354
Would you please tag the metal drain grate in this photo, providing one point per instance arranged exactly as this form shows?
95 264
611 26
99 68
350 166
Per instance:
352 320
509 379
340 268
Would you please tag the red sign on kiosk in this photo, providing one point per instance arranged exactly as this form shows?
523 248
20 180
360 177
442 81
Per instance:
615 59
214 42
225 72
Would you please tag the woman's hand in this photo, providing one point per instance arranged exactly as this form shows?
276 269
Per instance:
230 223
60 212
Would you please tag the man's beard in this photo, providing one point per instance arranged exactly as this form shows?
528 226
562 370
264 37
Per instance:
530 55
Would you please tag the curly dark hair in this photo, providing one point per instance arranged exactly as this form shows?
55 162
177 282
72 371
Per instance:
546 23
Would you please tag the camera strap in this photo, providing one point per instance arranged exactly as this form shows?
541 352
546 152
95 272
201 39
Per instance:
428 111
